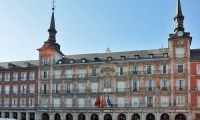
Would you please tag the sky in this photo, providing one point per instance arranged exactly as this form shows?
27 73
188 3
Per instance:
90 26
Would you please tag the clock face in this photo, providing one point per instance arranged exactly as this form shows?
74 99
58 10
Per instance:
180 33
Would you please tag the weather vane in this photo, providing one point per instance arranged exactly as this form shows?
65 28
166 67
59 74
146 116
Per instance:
53 6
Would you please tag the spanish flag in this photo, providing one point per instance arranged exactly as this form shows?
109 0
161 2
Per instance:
101 101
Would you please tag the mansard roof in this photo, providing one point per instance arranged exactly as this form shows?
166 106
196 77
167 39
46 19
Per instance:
130 55
195 54
16 65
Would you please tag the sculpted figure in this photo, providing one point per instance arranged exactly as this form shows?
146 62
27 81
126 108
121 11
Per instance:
88 87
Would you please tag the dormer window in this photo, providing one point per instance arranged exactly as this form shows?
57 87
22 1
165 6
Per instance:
109 58
136 56
96 59
123 58
71 61
165 55
83 60
151 56
59 61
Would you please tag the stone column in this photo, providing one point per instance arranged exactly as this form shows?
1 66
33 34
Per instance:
2 114
142 116
128 116
36 116
27 115
10 114
19 115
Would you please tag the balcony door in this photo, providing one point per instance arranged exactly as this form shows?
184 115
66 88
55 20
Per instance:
149 101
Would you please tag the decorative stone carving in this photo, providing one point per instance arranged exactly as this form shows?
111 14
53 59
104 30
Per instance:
107 80
107 69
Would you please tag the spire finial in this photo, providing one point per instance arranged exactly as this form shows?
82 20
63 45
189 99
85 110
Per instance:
53 6
52 30
178 18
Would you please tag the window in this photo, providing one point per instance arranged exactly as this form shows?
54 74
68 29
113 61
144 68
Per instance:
69 88
136 57
149 69
31 102
0 89
179 52
0 76
81 73
83 60
57 74
151 55
150 85
57 88
56 102
94 87
6 102
180 84
179 68
149 101
164 69
81 102
198 85
121 71
45 102
164 101
121 86
7 77
92 102
69 73
121 101
69 102
45 61
71 61
22 102
81 87
198 101
135 70
198 69
165 55
135 85
7 89
135 101
32 76
44 74
23 89
23 76
94 72
123 58
44 88
164 85
15 76
32 88
109 58
180 100
14 102
15 89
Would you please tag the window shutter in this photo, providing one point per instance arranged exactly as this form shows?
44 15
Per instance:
198 69
167 69
152 69
177 84
138 85
198 85
161 69
198 101
184 85
132 85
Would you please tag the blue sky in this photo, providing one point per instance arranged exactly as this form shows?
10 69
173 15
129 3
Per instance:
90 26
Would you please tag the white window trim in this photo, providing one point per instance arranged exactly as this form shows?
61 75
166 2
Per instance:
7 92
45 62
15 76
6 79
177 84
0 76
46 75
147 85
32 77
22 77
177 68
162 101
6 100
162 82
96 72
197 70
33 104
152 69
21 91
15 92
180 55
177 101
69 74
123 71
15 103
136 72
30 91
21 105
198 101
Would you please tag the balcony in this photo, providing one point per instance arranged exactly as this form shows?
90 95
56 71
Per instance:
6 79
121 73
23 78
15 79
179 56
180 88
180 71
45 63
45 77
32 78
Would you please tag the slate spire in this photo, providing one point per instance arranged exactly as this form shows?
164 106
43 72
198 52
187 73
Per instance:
52 30
178 18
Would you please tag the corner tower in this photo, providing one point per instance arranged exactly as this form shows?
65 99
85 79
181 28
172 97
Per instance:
50 52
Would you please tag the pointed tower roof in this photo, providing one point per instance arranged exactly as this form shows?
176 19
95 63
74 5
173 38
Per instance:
178 9
178 18
52 30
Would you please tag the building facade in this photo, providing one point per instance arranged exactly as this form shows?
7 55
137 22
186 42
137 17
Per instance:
133 85
18 90
159 84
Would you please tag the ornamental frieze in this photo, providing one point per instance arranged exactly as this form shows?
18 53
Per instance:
107 69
